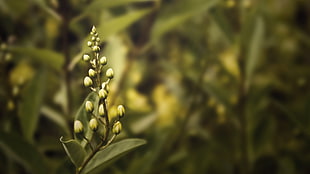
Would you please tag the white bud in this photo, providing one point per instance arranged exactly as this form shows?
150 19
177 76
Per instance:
101 110
89 43
89 107
78 127
120 110
103 60
109 73
86 57
103 94
88 81
93 29
91 72
117 128
93 124
96 48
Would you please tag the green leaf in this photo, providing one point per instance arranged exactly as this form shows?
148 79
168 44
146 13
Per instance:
182 11
115 25
43 5
255 48
222 23
56 117
112 152
119 23
217 92
29 107
44 56
22 152
75 151
100 5
84 117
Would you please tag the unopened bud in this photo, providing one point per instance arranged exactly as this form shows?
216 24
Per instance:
88 81
78 127
120 111
89 43
93 124
103 60
117 128
86 57
105 86
96 48
89 107
101 110
93 29
93 38
91 72
103 94
109 73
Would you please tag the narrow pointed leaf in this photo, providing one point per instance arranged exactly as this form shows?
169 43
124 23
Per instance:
29 107
100 5
255 48
182 11
22 152
75 151
112 152
46 57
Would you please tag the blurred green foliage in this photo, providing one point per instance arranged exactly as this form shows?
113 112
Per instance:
214 86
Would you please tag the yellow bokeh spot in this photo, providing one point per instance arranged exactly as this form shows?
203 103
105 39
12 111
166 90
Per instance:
167 106
137 101
20 74
230 3
230 62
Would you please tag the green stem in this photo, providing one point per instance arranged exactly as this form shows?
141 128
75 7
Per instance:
98 148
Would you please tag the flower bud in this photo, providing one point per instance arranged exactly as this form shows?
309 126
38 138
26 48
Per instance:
88 81
120 111
103 60
117 127
93 29
105 86
89 107
93 124
109 73
86 57
101 110
89 43
97 39
96 48
78 127
91 72
103 94
93 38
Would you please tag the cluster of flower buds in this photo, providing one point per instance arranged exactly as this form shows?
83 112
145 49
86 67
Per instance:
93 80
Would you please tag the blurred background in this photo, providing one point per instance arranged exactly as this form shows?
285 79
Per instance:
214 86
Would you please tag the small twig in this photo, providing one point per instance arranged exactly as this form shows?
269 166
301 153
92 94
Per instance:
97 149
90 145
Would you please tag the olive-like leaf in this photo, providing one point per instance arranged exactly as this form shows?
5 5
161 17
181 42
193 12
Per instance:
100 5
75 151
46 57
29 107
255 48
112 152
22 152
182 11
